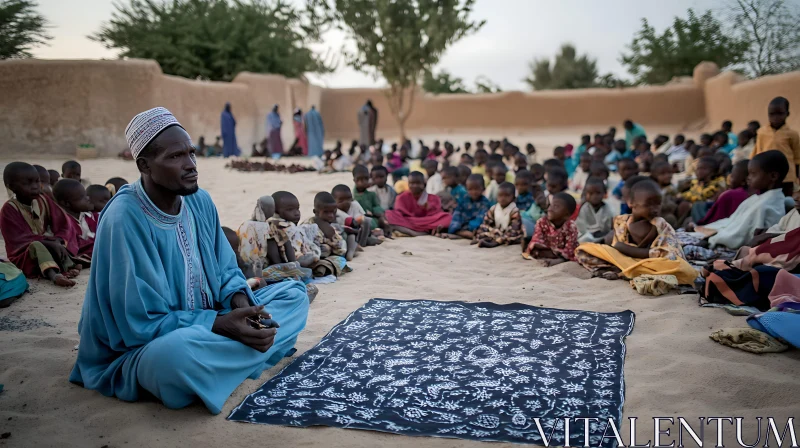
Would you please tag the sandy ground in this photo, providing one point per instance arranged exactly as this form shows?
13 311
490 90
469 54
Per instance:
672 367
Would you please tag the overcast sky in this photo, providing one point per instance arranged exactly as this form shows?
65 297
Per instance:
515 32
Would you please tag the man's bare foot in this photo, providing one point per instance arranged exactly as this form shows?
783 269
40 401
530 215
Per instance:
72 273
61 280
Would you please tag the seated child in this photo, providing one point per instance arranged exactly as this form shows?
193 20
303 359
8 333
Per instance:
596 217
254 236
702 192
661 173
523 183
233 240
641 243
469 212
333 247
99 197
499 172
599 170
72 170
453 192
581 173
557 181
53 177
759 211
788 223
289 240
480 158
626 168
350 217
729 200
745 148
114 184
416 212
368 200
502 224
520 162
72 197
463 173
556 236
44 180
385 192
434 183
35 229
537 171
537 209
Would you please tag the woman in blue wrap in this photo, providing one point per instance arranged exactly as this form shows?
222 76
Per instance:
228 129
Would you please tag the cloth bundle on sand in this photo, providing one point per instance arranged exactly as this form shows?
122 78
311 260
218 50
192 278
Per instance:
749 340
783 320
633 267
654 285
478 371
286 271
332 265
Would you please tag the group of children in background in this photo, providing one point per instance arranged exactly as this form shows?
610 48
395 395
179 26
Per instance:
50 220
735 192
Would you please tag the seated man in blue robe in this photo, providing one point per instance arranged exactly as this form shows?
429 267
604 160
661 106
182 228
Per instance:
167 310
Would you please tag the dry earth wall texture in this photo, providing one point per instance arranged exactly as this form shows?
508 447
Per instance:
51 107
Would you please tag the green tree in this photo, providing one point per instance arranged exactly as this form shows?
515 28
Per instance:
485 85
21 28
398 39
444 82
214 39
568 71
770 26
656 58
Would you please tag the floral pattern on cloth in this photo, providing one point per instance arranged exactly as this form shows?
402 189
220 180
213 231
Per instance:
704 192
562 241
253 237
666 244
479 371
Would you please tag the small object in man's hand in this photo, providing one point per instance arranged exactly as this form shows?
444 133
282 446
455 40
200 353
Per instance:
262 324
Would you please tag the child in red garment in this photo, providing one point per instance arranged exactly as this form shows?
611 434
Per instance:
555 238
72 198
35 229
416 212
99 197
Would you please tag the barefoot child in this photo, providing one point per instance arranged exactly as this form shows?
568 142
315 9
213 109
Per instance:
333 247
499 175
385 192
254 236
470 212
596 217
289 240
556 236
351 219
26 222
641 243
72 197
416 212
778 136
502 224
729 200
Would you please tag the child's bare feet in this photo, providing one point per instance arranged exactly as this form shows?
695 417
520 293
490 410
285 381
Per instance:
61 280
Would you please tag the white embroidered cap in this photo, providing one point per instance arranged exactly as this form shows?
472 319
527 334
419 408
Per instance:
146 126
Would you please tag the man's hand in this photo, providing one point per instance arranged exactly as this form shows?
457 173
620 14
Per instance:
234 326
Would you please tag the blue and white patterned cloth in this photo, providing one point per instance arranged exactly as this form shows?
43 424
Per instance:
478 371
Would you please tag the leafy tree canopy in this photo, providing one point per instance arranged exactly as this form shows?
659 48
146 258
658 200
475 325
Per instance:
567 71
21 28
215 39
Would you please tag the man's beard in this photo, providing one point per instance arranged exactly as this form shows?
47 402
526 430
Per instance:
187 191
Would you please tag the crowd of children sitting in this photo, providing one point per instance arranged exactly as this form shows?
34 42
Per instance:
733 195
48 224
